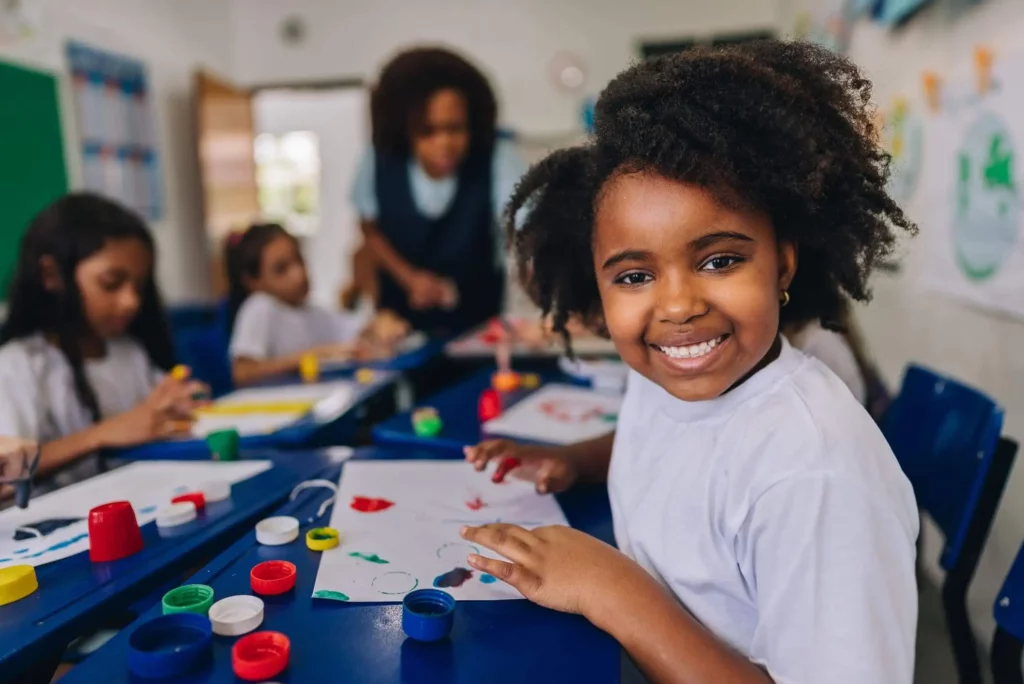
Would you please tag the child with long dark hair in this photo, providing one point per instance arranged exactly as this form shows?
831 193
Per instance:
86 342
430 192
273 325
765 531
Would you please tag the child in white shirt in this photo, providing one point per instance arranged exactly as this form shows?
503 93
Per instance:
766 532
86 343
273 325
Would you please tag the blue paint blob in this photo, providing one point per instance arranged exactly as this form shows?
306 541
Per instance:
453 578
488 579
147 510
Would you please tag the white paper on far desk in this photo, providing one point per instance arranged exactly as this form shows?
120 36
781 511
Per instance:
558 414
415 543
147 485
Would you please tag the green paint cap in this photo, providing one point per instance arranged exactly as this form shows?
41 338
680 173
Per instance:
223 445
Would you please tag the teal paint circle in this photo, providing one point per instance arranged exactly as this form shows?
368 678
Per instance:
985 203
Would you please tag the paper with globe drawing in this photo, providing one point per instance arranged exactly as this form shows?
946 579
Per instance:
968 202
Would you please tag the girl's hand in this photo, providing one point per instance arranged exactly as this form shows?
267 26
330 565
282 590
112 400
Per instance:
546 467
387 328
166 412
16 457
342 351
427 290
557 567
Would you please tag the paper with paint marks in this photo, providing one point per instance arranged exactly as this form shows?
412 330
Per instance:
399 523
262 410
558 414
62 515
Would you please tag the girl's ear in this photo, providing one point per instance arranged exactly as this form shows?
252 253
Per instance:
49 274
787 264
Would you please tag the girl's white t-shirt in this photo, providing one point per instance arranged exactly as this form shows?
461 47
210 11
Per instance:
38 400
834 351
266 328
779 517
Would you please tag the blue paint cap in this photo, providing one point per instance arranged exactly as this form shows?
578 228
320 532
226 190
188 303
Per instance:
428 614
170 645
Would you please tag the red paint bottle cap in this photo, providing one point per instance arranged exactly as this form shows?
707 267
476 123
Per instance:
489 406
270 578
195 497
113 532
260 656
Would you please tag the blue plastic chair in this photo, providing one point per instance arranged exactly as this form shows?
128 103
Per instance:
1008 643
946 438
204 349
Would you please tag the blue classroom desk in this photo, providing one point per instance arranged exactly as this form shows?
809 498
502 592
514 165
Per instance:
75 595
305 433
457 407
492 641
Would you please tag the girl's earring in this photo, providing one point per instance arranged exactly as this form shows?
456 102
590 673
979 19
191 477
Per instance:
785 297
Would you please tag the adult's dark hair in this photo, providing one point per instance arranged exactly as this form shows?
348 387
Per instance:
398 101
243 258
781 127
69 231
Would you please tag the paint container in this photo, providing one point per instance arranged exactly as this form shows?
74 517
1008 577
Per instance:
277 531
260 656
196 498
191 598
271 578
236 615
169 646
17 582
113 532
428 614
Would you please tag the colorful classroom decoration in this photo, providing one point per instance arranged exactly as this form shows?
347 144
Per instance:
903 138
116 127
400 524
32 167
970 245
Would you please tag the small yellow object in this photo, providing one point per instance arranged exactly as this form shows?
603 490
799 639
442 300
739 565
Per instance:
530 381
180 372
309 368
17 582
364 376
505 381
322 538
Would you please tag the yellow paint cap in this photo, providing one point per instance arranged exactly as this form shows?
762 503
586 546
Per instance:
17 582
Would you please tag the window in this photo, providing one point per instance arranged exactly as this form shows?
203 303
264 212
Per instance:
288 177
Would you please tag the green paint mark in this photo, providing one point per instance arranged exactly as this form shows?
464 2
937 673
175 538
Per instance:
332 595
370 557
999 165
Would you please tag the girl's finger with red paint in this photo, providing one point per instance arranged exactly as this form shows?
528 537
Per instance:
510 541
481 454
505 466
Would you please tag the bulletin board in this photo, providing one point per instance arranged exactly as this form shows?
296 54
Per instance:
117 130
32 164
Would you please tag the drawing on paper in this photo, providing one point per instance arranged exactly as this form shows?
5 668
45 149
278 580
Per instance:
415 542
558 414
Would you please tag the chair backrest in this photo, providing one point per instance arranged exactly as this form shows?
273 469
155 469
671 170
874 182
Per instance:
944 435
204 349
1009 607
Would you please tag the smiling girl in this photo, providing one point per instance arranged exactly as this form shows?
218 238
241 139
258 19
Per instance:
765 531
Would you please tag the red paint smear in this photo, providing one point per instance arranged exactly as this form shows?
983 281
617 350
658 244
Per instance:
475 504
506 466
365 504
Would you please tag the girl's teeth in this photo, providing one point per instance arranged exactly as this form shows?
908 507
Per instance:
692 351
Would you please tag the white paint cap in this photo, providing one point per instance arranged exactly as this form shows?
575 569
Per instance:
176 514
236 615
216 490
278 530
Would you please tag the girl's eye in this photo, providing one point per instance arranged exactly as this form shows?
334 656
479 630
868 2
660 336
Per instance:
719 263
635 278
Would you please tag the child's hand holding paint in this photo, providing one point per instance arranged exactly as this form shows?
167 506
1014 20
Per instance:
557 567
166 412
547 467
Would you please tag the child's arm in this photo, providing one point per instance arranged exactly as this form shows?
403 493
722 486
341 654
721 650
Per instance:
552 469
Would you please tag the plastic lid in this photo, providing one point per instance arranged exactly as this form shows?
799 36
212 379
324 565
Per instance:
505 381
236 615
322 538
216 490
17 582
191 598
271 578
176 514
113 532
180 372
281 529
169 646
260 656
428 614
195 497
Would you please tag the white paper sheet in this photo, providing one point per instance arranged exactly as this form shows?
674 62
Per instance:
330 399
146 485
412 342
415 542
473 345
558 414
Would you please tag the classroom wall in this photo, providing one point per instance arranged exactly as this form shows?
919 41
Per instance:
172 37
513 41
903 323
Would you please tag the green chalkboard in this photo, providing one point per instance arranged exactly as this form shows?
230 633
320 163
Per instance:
32 169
